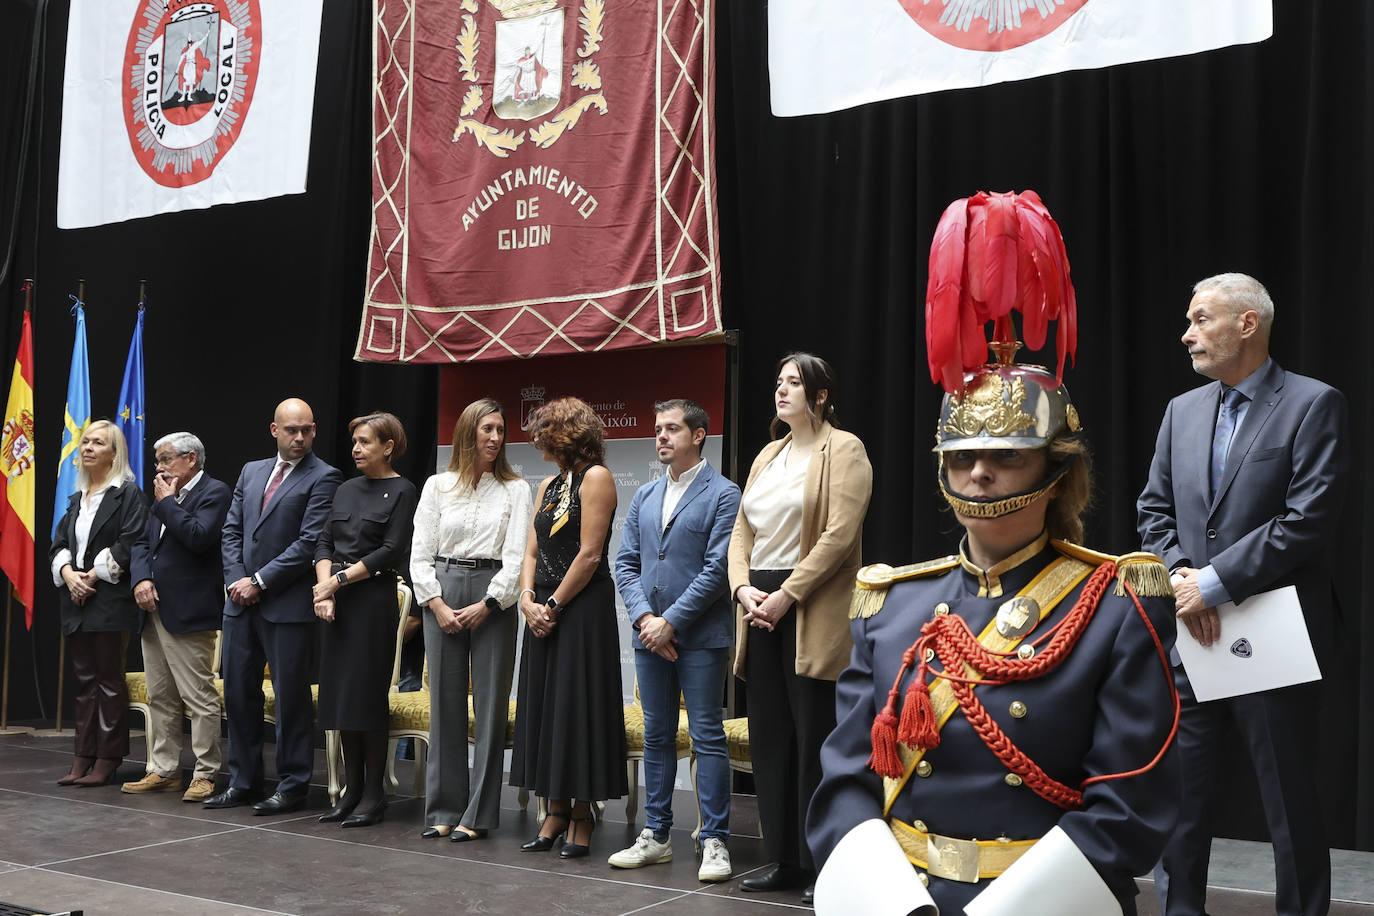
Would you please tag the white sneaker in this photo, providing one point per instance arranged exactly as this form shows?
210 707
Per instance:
715 861
645 851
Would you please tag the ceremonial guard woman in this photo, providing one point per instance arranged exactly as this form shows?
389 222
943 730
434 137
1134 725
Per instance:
1005 721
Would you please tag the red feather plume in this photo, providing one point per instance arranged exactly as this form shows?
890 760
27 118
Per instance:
994 254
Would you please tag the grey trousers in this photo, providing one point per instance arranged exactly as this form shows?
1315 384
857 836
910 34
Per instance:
487 654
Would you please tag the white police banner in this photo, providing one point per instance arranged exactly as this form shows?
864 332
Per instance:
825 56
183 105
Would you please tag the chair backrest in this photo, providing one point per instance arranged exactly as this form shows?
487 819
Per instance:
403 599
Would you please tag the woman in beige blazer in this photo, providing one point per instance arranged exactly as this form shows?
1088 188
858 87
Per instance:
793 557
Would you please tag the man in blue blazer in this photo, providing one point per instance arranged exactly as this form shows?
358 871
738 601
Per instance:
1244 492
178 581
279 509
672 573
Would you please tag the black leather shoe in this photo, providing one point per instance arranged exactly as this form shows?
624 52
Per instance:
367 818
809 895
777 878
281 803
231 798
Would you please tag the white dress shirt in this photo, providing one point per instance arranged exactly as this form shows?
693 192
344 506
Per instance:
104 564
454 520
673 490
773 508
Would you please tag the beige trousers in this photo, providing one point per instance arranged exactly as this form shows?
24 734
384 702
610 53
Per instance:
179 672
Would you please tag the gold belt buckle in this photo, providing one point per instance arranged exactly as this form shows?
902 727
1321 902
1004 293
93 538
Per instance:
952 859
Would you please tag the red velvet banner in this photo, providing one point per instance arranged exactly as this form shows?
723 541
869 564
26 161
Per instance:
543 179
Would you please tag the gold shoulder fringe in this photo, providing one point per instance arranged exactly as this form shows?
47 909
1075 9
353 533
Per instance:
1145 573
872 582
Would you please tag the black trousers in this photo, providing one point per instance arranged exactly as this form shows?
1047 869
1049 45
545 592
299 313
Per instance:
790 717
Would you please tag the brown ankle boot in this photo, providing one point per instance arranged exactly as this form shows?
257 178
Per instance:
102 774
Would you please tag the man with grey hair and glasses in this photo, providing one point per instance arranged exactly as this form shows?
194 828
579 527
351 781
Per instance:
178 580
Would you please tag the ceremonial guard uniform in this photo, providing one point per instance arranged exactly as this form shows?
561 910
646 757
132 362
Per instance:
1014 720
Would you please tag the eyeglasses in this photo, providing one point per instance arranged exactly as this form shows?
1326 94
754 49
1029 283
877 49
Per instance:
1006 459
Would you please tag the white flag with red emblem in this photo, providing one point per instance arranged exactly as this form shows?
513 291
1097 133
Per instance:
825 56
183 104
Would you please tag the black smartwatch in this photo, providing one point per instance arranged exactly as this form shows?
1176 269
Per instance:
492 603
341 578
552 603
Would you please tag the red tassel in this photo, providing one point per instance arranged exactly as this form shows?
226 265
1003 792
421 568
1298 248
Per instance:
918 727
884 760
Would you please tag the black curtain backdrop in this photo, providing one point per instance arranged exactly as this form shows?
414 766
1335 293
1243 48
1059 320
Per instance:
1254 158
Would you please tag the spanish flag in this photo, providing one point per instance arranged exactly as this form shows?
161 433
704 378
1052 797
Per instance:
17 483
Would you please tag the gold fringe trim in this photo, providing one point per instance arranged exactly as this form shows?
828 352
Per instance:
995 508
1145 573
872 582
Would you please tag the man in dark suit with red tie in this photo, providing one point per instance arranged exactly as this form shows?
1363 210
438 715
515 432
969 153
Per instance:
1246 485
279 508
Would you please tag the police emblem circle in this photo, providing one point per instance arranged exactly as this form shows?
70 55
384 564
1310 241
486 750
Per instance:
190 70
977 25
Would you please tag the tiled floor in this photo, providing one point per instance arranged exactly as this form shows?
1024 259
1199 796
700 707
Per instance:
111 854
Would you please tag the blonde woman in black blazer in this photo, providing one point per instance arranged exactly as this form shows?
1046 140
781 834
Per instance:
90 566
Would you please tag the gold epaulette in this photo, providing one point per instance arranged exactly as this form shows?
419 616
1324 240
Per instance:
1144 572
872 582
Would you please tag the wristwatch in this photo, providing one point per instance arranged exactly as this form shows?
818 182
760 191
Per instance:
552 603
342 578
492 604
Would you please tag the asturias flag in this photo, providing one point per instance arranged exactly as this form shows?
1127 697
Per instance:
129 414
17 484
74 420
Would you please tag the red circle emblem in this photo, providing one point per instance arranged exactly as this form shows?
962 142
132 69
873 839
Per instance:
190 70
955 22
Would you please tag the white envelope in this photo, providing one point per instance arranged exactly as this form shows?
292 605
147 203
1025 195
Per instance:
1264 645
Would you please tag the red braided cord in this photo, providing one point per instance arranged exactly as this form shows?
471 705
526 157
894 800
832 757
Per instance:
1173 695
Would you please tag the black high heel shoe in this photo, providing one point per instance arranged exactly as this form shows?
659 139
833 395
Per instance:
367 818
543 843
340 811
573 850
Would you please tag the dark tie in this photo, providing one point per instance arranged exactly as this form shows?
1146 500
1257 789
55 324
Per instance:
1226 430
274 483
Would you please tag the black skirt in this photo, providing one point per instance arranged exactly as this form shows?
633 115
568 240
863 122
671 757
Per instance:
358 652
569 719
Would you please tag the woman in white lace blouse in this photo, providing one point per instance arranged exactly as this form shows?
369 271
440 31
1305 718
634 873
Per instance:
470 531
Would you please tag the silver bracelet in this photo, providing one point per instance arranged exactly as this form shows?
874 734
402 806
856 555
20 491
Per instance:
523 590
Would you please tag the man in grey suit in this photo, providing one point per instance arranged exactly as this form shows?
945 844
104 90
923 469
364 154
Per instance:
1243 496
671 572
279 509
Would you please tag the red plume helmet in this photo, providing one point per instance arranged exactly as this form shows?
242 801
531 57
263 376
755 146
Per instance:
992 254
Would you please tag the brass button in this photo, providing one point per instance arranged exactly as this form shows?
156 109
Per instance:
942 608
920 825
1026 650
1018 710
928 655
1012 780
924 769
925 878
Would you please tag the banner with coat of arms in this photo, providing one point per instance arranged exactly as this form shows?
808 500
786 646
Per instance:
543 179
825 56
183 104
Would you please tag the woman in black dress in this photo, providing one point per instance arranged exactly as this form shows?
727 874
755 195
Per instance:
357 560
569 720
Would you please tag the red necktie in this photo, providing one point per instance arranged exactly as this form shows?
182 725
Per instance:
274 483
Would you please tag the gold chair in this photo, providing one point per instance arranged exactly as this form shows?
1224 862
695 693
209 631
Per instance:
737 742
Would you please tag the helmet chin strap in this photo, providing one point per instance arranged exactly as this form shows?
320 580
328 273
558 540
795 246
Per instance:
997 507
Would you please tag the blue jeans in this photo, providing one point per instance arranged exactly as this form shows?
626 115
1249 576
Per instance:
700 676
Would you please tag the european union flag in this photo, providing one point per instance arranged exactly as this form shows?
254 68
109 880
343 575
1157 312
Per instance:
77 415
129 416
